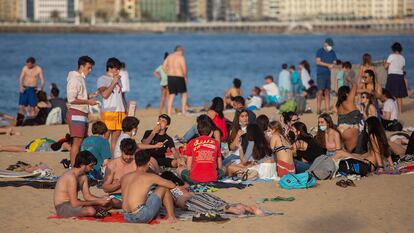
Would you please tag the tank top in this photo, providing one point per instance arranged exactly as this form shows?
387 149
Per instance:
221 125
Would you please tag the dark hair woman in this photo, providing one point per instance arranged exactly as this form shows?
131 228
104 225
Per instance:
216 114
328 135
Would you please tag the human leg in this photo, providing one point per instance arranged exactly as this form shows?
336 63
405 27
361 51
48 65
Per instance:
74 150
184 97
170 103
12 148
114 138
318 101
165 195
191 133
327 100
399 105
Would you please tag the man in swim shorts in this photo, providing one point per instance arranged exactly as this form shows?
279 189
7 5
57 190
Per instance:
141 202
78 104
176 69
113 103
65 196
28 85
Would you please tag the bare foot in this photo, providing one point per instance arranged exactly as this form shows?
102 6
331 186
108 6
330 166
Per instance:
258 212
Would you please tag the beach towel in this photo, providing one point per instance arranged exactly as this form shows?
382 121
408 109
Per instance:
114 217
32 183
15 174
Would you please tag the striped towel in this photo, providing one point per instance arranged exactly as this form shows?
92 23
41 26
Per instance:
206 203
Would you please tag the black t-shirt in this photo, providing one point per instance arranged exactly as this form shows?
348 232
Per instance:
313 150
160 152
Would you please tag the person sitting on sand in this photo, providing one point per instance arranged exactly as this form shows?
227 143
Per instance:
255 101
41 112
129 130
307 149
99 147
65 196
118 167
193 133
159 135
141 202
270 91
203 157
232 92
328 136
239 104
282 149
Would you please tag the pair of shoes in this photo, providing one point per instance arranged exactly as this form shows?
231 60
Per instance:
210 218
345 183
246 174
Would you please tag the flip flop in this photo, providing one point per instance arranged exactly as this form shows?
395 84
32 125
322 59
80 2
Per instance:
350 183
342 183
274 199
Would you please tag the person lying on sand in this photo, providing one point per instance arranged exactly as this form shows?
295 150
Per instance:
141 202
40 145
9 131
65 197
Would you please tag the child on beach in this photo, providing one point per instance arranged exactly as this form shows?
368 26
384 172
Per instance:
295 80
141 200
271 91
162 76
284 82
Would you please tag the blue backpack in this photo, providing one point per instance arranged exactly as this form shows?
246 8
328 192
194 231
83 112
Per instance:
297 181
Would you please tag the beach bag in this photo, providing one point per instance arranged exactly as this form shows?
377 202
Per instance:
288 106
323 168
300 104
297 181
352 167
394 125
54 117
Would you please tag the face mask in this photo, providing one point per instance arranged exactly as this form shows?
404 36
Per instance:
322 127
328 48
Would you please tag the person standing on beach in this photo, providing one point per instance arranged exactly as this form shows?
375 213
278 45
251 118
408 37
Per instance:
395 81
78 104
325 59
176 69
113 104
124 81
28 85
284 82
162 76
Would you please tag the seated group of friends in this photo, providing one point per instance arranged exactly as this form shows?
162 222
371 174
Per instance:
213 148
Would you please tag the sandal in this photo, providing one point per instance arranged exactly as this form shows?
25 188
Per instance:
350 183
342 183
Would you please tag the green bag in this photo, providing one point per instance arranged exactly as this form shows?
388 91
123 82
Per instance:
288 106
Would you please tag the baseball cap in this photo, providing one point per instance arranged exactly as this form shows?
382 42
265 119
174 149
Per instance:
329 41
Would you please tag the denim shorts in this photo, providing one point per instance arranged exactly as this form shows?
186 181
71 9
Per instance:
145 212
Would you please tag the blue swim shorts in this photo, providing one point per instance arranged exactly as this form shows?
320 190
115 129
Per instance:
28 97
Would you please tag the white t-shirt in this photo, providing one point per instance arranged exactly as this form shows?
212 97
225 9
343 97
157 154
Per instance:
124 80
255 101
391 106
271 89
117 149
114 103
304 75
397 63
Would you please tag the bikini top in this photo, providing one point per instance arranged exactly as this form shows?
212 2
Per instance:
280 148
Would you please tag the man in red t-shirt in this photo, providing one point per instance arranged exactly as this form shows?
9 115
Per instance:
203 157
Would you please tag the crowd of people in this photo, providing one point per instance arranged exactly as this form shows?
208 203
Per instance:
140 177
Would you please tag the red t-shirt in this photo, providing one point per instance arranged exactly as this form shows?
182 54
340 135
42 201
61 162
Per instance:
205 151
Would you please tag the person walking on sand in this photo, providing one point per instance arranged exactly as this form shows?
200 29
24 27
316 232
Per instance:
28 85
78 104
176 69
325 59
113 104
162 76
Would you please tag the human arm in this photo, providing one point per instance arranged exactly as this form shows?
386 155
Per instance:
157 74
386 111
106 91
42 79
163 182
189 162
21 88
149 135
321 63
338 142
219 161
110 184
184 68
73 89
235 144
73 194
143 146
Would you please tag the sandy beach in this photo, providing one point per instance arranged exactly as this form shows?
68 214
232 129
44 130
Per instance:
377 204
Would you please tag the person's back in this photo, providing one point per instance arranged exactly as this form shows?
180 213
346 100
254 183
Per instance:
60 103
174 64
61 193
135 188
99 147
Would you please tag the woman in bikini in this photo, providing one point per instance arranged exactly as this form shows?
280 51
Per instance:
328 135
368 105
378 149
282 149
370 84
366 65
349 117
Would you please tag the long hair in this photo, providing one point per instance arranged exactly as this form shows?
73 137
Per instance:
218 106
303 131
342 95
261 147
366 59
371 73
277 126
306 65
263 122
320 135
371 101
376 130
235 127
287 117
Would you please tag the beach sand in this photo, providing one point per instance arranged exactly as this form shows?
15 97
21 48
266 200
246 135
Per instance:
378 204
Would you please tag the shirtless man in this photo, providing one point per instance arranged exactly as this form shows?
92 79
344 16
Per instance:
176 69
140 203
117 168
232 92
28 80
65 197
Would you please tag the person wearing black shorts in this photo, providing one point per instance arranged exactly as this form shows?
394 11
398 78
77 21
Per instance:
176 85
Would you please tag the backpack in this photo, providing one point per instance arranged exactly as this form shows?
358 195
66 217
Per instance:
297 181
301 104
323 168
288 106
352 167
394 125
